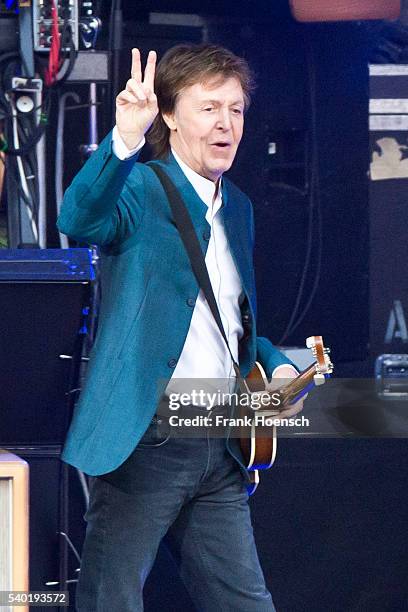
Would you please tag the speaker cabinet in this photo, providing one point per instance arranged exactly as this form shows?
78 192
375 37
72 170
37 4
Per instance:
43 297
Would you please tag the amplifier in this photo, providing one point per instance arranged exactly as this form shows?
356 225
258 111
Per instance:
391 376
45 298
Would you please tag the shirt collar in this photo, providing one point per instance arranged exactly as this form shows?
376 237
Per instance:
205 188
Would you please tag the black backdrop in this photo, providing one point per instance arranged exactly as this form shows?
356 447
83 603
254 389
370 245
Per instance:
329 518
312 100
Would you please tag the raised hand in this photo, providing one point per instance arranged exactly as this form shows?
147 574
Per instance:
136 105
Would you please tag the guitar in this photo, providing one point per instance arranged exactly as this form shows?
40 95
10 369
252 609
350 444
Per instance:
259 449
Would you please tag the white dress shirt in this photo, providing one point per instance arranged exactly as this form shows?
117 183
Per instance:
212 361
204 354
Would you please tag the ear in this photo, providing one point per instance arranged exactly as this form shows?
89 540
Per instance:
168 119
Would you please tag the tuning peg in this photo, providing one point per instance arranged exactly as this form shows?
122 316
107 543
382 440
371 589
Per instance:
326 350
318 379
328 364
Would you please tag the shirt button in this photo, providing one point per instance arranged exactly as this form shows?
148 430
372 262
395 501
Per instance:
172 363
190 302
207 235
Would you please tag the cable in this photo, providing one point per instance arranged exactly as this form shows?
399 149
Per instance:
6 92
29 171
314 205
29 205
23 180
54 51
25 133
73 54
17 184
59 158
32 141
15 54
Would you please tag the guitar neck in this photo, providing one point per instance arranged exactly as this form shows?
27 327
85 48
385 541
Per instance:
293 388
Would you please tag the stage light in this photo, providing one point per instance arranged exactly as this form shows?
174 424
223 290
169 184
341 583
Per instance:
344 10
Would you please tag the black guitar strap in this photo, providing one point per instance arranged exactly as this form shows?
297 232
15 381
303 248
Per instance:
191 243
189 237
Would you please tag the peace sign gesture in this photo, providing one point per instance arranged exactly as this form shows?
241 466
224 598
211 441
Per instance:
136 105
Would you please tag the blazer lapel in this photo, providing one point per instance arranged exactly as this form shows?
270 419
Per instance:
196 207
236 229
234 219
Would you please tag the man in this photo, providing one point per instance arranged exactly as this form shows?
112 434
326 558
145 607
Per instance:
155 327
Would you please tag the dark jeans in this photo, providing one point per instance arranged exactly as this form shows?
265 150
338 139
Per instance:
191 489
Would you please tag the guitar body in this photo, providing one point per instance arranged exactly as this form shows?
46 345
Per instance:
259 447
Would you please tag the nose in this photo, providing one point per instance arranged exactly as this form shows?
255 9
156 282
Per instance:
224 119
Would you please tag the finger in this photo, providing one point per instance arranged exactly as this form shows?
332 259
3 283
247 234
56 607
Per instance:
150 96
136 70
289 412
136 89
150 69
125 97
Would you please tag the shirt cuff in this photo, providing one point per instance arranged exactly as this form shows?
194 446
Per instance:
285 365
120 149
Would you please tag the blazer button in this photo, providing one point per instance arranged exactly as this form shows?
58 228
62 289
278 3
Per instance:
190 302
172 363
245 318
207 235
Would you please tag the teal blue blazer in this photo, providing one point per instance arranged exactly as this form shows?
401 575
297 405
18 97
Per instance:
147 290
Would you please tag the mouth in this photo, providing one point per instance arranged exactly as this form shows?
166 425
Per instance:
221 145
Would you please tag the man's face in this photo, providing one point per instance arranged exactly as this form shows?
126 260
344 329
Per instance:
206 126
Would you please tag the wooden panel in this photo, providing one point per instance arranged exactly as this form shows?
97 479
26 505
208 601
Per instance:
14 521
6 525
344 10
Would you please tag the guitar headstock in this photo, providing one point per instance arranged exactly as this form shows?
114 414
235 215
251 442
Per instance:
321 354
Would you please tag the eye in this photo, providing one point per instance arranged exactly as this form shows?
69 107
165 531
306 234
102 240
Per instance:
237 111
209 108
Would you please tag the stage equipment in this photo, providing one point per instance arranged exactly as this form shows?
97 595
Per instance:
67 17
45 537
8 30
44 295
90 63
344 10
388 209
45 306
25 98
75 15
391 377
24 140
14 512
